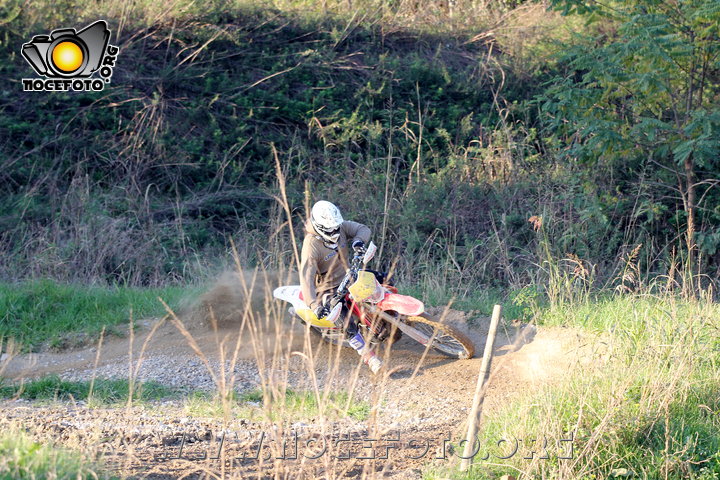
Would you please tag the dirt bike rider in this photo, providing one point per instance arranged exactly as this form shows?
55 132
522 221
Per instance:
323 263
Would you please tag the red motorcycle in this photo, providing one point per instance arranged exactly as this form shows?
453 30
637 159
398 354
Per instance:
376 308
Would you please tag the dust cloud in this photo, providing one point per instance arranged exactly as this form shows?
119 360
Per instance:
233 294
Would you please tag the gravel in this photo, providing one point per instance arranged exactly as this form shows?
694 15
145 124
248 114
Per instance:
179 371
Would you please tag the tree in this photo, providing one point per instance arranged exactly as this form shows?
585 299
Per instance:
645 89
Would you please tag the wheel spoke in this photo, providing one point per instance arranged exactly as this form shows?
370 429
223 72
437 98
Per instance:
441 339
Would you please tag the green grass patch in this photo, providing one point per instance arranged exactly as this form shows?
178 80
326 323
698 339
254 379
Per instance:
23 458
38 312
292 406
640 322
101 392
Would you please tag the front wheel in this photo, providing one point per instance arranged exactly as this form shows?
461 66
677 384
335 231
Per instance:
445 339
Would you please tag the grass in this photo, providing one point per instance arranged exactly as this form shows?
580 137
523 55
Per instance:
23 458
103 392
646 406
45 312
294 406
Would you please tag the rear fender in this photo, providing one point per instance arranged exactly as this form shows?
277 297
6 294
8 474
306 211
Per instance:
402 304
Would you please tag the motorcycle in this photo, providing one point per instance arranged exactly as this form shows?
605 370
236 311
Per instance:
380 312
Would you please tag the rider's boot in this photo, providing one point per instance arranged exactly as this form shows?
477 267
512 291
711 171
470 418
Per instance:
372 361
357 341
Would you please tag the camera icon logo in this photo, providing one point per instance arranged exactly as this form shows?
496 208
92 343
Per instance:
68 59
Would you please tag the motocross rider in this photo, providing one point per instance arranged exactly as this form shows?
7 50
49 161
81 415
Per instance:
323 263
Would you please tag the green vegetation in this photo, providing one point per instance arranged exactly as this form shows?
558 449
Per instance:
645 99
446 127
23 459
100 392
291 405
58 315
344 99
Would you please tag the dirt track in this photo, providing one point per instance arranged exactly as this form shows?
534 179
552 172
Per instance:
416 409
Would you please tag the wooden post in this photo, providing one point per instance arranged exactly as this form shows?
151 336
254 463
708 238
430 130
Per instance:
476 412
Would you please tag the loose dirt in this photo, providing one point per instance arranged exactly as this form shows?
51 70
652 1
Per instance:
422 398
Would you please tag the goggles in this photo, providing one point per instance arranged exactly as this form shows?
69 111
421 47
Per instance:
330 232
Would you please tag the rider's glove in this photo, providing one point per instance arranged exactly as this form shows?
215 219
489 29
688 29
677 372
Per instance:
358 246
322 311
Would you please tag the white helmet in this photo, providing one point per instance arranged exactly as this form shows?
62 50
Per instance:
326 220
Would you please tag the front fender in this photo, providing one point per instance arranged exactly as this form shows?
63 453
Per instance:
402 304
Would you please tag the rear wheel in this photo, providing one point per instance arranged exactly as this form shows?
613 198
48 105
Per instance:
445 339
